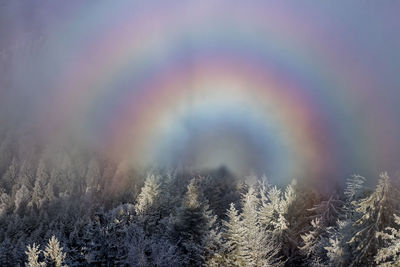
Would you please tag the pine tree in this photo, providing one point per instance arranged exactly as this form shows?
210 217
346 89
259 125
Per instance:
26 174
149 196
258 245
148 204
138 247
119 219
326 214
273 214
314 243
39 189
22 197
150 251
10 177
194 227
329 211
233 236
54 253
96 241
338 250
334 250
375 214
33 254
5 202
389 254
354 186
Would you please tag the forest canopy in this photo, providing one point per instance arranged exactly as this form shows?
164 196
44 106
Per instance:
74 209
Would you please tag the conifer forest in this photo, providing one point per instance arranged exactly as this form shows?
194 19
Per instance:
199 133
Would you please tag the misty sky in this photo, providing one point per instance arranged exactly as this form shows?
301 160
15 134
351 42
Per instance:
295 90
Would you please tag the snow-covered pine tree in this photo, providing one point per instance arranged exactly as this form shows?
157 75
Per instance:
212 240
354 186
54 254
118 220
163 253
26 174
258 246
194 227
334 250
329 211
326 213
22 197
338 250
375 214
389 253
33 253
148 204
313 244
149 251
233 235
149 195
39 189
76 243
9 179
96 241
273 212
138 246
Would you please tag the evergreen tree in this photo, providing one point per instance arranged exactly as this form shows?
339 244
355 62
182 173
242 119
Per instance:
375 214
5 202
22 197
39 189
96 241
233 236
259 247
354 186
150 251
26 174
194 227
54 253
389 254
329 211
339 251
148 204
149 196
314 242
33 253
10 177
119 219
273 214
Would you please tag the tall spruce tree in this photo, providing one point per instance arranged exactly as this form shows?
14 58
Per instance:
259 247
375 214
338 249
54 254
194 227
